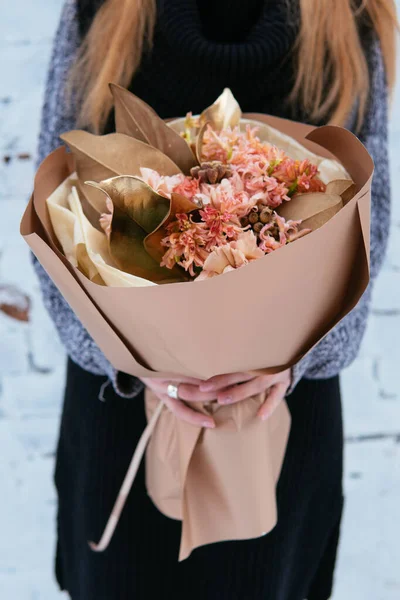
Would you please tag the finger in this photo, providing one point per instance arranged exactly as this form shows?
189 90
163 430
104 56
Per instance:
189 393
243 391
222 381
150 381
192 393
268 381
183 379
275 396
187 414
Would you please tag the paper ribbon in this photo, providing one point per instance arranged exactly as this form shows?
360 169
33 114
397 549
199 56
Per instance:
127 483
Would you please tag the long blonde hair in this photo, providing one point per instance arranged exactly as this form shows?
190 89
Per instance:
328 43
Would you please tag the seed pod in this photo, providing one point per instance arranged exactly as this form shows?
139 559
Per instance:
253 217
194 171
212 175
274 232
260 205
244 221
265 215
211 172
257 227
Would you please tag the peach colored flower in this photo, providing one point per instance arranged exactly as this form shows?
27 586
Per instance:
257 181
298 176
310 184
231 256
228 196
186 241
189 187
249 148
264 169
219 145
280 232
221 226
162 184
191 123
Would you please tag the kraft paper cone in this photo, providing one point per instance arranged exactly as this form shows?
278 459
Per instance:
215 326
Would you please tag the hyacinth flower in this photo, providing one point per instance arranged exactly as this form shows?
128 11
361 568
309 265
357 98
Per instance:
279 232
231 256
186 242
298 176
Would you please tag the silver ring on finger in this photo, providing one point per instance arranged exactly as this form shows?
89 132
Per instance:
173 391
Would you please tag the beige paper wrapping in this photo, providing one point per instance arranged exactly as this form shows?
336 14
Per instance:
221 486
214 480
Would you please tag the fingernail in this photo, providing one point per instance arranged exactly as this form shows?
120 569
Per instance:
208 424
225 400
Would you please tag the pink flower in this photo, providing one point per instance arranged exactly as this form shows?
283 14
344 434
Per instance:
298 176
266 172
228 196
189 187
259 174
162 184
221 226
279 232
257 181
249 149
231 256
186 243
219 145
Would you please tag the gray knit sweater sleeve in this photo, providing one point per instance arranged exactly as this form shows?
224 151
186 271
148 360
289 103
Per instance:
57 117
339 348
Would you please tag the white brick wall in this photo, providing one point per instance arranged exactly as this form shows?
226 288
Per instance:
32 366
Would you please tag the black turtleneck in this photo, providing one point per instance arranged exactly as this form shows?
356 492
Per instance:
202 46
226 21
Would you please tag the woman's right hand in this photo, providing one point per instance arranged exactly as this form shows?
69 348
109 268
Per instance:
188 390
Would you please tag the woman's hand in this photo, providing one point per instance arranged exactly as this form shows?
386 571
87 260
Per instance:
239 386
188 390
226 389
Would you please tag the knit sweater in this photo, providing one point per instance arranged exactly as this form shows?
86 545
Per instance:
260 76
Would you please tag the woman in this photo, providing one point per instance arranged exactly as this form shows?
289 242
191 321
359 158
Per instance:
312 61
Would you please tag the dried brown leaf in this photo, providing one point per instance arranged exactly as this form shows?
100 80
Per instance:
224 112
101 157
136 199
135 118
313 209
137 211
344 187
199 140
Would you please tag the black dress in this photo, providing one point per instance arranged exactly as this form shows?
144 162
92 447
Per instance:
199 48
293 562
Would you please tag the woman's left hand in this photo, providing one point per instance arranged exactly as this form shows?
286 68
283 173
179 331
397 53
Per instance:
239 386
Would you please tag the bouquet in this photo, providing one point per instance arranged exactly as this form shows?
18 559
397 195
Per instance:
206 245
